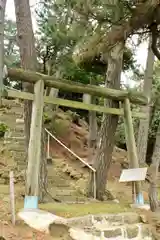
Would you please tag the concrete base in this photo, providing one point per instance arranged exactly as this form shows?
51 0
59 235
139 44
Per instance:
140 199
39 219
141 206
31 202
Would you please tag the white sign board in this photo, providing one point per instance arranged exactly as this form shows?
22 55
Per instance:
133 175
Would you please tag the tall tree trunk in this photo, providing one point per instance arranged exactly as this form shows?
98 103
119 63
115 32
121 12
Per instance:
144 123
151 141
29 61
2 14
153 174
26 44
109 124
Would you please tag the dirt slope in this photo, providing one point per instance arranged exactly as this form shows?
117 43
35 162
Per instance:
75 137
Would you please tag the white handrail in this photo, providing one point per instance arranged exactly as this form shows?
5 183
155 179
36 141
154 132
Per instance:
69 150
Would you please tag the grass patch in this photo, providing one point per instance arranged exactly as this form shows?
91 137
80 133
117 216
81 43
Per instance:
3 129
77 210
71 210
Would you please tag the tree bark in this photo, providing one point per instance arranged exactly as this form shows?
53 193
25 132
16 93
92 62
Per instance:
43 176
144 123
109 124
2 14
152 192
153 174
26 42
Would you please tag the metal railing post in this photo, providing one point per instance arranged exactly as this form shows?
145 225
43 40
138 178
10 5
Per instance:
94 184
48 145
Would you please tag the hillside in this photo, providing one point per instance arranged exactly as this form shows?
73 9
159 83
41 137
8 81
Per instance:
67 176
75 137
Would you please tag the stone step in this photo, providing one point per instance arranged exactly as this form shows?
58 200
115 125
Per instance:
13 138
117 219
10 106
12 103
58 182
137 232
17 114
110 220
20 121
19 155
9 121
17 133
9 137
21 167
60 186
71 199
65 192
16 148
11 145
16 127
110 226
21 161
19 127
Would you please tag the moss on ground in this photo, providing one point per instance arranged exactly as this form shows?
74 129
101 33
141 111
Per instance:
76 210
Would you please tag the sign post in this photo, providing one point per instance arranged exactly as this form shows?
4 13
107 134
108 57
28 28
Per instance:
134 175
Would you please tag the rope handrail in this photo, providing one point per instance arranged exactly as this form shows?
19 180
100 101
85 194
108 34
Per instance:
69 150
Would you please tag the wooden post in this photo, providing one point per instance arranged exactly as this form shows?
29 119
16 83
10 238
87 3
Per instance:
12 198
70 86
34 150
2 15
131 144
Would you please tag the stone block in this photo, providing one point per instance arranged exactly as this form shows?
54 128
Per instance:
131 218
82 222
111 233
132 232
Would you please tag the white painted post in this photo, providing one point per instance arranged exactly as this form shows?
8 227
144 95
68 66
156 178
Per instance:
95 188
86 98
12 198
54 92
48 146
34 150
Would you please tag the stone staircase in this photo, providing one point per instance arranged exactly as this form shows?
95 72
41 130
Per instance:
14 139
14 142
110 227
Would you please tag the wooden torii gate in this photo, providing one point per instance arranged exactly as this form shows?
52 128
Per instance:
38 98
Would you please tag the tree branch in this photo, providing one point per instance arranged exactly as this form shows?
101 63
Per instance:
155 36
142 16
